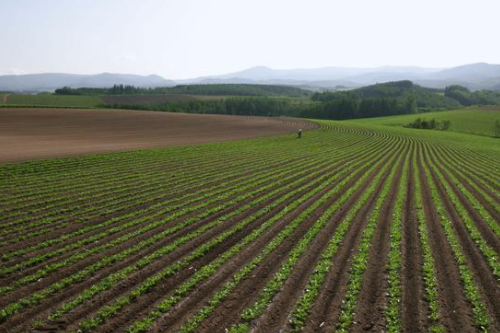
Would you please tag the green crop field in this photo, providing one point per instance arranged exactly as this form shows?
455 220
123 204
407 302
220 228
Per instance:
474 120
155 99
354 227
54 100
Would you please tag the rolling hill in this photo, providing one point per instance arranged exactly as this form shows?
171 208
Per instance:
385 99
473 120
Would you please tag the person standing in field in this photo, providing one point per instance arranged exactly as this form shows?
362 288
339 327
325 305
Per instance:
299 133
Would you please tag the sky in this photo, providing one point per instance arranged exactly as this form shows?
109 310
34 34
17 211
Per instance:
180 39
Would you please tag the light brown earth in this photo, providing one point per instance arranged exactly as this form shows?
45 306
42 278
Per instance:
32 133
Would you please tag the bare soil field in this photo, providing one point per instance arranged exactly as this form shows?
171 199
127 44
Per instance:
33 133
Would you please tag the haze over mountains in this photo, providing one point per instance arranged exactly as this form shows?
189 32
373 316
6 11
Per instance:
53 81
474 76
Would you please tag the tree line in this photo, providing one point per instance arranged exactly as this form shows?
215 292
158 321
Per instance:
198 89
467 98
253 106
387 99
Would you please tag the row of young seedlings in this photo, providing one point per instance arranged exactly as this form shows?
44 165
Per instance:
65 237
479 164
90 228
70 190
203 164
93 184
99 175
44 204
113 279
151 283
141 196
122 174
134 218
395 292
26 186
471 170
472 200
84 216
472 292
39 296
91 207
490 255
98 166
134 221
428 263
147 195
394 266
64 193
94 207
482 188
484 161
303 307
152 225
192 162
125 163
211 268
111 221
310 290
274 285
103 263
359 261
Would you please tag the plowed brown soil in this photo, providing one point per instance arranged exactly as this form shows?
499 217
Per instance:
32 133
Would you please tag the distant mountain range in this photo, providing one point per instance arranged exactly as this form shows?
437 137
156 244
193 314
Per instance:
319 76
52 81
475 77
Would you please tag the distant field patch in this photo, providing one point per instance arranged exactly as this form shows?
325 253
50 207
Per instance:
53 100
476 120
154 99
3 98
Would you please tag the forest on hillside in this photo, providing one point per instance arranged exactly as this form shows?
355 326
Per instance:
197 89
386 99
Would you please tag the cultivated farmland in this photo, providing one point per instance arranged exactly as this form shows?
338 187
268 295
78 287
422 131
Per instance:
29 133
351 228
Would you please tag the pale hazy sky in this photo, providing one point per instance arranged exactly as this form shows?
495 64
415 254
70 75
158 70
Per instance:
190 38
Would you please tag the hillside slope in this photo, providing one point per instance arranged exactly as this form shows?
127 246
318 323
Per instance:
474 120
402 97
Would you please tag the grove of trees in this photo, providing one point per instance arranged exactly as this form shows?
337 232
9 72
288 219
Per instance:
197 89
468 98
419 123
254 106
